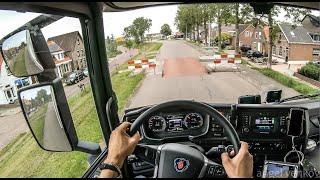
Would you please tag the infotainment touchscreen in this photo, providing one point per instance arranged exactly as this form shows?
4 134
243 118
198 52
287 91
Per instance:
265 124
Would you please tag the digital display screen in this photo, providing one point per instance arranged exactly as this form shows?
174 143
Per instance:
274 170
175 124
295 124
265 124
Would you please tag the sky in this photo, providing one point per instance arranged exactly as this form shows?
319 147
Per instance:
114 22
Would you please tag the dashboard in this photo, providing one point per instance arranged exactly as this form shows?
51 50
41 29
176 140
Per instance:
264 127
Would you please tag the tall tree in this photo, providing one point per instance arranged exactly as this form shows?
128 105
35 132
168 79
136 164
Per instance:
243 13
165 30
138 28
221 12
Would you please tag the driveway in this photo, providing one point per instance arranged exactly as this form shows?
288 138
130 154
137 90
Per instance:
184 78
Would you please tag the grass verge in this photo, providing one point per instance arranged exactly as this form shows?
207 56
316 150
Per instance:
287 81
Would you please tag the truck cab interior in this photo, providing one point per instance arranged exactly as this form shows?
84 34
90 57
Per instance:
283 135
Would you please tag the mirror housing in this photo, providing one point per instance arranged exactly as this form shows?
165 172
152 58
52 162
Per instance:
19 54
48 102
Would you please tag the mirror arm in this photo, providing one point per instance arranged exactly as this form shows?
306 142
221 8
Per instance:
88 147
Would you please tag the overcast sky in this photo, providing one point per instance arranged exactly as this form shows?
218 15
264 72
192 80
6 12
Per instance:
114 22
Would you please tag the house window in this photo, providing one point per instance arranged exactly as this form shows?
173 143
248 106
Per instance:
240 43
78 53
247 34
315 53
82 52
256 35
315 37
61 56
78 40
273 49
260 35
280 51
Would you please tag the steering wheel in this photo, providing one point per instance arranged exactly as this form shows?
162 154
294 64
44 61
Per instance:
178 160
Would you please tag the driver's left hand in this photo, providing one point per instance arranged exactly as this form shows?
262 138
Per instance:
121 144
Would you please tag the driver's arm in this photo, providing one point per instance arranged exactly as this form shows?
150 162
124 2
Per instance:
241 166
120 146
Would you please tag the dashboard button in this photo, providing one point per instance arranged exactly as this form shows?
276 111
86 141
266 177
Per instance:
219 171
211 170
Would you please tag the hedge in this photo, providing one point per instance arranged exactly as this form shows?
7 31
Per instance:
310 70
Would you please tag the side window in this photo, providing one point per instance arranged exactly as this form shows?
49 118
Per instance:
20 154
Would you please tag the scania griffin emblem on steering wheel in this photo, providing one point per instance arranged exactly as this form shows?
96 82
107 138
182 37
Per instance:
181 164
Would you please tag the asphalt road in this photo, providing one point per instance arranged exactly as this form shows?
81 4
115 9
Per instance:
188 81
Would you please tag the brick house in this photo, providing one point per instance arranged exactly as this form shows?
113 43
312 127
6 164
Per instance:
296 44
72 44
61 60
248 36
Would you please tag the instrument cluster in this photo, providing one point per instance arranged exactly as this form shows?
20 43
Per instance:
176 125
175 122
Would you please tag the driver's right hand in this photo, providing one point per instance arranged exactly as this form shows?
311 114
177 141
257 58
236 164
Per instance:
240 166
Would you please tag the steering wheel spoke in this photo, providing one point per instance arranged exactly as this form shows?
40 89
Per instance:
146 152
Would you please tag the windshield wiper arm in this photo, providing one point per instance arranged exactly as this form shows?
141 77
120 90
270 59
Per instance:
299 97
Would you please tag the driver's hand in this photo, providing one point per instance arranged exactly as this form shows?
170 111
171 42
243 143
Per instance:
240 166
121 144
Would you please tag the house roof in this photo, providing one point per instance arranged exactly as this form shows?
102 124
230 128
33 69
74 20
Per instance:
298 34
66 59
232 27
66 41
315 20
53 47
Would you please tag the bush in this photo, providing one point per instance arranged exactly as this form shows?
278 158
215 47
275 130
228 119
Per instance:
310 70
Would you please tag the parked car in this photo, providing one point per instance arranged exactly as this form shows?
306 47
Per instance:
245 48
254 54
21 82
75 77
85 72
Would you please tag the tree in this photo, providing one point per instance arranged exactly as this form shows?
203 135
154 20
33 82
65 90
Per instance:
165 30
243 13
185 18
137 30
222 13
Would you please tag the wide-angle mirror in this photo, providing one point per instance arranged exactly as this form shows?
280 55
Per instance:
41 112
20 56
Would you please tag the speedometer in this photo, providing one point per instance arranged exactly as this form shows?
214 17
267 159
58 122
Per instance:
157 123
193 120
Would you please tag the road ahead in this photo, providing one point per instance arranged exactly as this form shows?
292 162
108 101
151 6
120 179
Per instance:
184 77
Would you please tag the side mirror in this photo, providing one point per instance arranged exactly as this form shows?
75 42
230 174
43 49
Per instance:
42 115
47 113
19 54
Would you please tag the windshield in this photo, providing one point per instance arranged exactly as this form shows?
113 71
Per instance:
179 52
179 55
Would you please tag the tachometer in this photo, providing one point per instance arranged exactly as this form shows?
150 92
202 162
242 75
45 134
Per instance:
193 120
157 123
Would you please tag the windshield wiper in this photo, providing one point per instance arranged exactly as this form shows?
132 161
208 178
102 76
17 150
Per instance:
299 97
